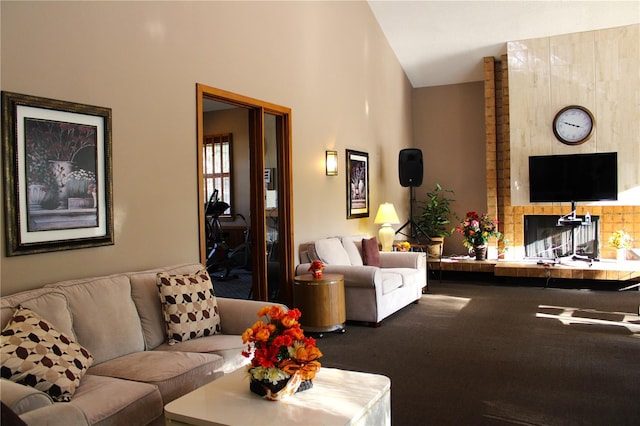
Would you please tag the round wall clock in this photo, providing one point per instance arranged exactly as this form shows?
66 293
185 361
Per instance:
573 125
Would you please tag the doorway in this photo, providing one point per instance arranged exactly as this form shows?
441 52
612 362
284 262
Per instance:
261 191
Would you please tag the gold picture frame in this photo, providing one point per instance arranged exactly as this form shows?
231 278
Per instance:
57 174
357 184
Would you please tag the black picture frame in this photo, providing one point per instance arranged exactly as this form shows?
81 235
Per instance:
357 184
57 173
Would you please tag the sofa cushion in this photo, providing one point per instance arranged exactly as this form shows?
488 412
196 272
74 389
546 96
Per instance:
353 248
391 280
370 252
189 305
107 401
331 251
35 354
144 292
174 373
105 318
50 304
228 346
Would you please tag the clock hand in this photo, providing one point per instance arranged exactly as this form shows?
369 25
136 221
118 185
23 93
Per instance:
570 124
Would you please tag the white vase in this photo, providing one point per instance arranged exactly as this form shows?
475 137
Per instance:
621 254
35 195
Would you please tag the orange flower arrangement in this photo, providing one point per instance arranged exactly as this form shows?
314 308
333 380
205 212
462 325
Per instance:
280 348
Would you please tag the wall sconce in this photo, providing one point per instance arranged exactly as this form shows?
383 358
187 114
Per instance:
386 216
331 163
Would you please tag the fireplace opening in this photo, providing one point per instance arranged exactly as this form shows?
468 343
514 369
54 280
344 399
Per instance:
544 239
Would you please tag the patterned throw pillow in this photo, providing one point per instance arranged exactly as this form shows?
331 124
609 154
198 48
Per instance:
189 306
35 354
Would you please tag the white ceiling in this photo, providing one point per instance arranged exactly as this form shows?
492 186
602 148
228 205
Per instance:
444 42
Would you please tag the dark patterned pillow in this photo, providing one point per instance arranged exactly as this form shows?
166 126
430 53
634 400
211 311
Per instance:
189 306
35 354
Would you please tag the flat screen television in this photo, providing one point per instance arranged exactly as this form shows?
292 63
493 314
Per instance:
575 177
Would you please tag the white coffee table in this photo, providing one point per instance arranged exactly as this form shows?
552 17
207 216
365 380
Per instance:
338 397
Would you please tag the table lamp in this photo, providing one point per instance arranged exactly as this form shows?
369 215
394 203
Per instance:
387 216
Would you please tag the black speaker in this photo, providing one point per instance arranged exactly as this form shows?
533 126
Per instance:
410 167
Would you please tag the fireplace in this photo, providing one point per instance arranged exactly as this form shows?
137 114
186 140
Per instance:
544 239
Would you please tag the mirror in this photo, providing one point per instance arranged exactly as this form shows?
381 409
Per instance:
253 243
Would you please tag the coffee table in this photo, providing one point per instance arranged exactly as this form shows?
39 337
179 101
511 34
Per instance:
338 397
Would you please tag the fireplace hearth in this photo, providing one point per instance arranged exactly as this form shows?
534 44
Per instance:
544 239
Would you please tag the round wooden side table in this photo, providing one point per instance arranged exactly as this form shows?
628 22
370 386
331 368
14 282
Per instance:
321 301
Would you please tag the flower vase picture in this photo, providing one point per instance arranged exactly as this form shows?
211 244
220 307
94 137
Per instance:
58 177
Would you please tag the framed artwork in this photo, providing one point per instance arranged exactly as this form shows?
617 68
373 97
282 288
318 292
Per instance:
57 175
357 184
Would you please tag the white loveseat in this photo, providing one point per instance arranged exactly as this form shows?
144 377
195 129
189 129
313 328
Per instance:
372 293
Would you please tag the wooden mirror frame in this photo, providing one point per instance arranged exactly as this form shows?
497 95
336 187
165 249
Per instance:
257 110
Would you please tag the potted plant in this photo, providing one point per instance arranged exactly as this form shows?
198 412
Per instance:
435 216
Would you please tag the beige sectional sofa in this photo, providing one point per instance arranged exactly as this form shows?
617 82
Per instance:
134 372
372 293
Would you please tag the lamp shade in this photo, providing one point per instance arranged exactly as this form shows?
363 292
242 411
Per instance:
331 163
387 214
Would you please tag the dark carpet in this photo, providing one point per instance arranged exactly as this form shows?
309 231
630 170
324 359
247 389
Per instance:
483 354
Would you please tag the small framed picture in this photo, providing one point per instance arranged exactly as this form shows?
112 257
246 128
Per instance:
357 184
57 174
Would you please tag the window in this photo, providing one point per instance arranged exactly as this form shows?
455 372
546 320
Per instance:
218 162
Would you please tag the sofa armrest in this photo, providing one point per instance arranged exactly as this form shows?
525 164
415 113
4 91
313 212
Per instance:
354 276
58 414
236 315
22 399
406 259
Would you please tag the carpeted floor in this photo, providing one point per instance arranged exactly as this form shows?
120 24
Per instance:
482 354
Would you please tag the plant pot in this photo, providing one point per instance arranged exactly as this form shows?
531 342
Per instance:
480 252
35 195
316 274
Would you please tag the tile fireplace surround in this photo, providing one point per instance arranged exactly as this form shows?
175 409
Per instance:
498 163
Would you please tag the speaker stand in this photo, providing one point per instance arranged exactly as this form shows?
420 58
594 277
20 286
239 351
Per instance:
416 230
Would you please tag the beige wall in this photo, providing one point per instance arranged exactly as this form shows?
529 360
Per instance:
328 61
449 128
595 69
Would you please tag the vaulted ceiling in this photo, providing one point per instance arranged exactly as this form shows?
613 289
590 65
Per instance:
444 42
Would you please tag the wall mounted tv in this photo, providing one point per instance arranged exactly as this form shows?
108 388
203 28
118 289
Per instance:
576 177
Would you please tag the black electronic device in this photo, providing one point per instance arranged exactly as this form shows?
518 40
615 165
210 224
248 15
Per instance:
410 167
573 177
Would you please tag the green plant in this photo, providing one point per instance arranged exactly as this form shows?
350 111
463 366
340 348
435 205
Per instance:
436 212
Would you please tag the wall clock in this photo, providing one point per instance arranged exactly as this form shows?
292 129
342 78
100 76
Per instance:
573 125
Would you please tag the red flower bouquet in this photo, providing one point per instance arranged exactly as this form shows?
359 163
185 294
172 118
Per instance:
477 229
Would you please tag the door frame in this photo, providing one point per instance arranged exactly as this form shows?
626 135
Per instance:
257 110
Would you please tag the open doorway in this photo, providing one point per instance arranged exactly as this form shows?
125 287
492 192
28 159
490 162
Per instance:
249 230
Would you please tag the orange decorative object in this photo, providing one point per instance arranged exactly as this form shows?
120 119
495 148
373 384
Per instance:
316 269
